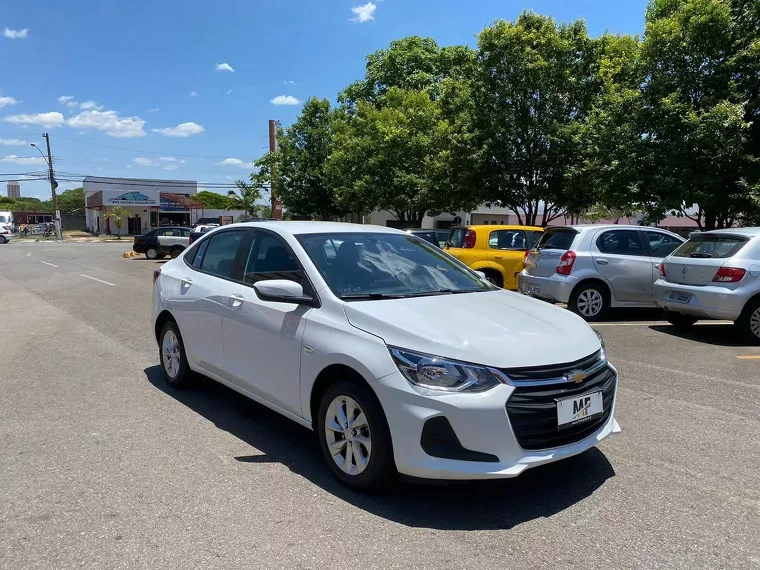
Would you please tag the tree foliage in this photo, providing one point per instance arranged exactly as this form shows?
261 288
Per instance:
118 214
245 196
214 201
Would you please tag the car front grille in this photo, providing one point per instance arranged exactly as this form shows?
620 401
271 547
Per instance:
532 410
543 373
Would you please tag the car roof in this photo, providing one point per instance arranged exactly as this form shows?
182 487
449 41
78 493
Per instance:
749 232
498 227
305 227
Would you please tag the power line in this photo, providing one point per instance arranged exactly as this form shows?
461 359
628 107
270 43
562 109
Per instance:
164 153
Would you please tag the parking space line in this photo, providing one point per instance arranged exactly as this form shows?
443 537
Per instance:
98 280
749 357
50 264
652 323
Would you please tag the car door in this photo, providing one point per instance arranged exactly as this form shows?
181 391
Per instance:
262 339
661 245
203 295
620 256
507 249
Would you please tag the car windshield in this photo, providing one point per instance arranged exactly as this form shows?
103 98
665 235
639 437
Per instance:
361 266
707 246
4 219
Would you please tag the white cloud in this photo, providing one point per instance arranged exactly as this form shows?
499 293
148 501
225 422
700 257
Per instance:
182 130
91 105
27 160
153 110
109 122
290 82
285 100
48 120
13 142
142 161
364 13
171 167
229 91
8 101
16 34
129 166
68 100
168 159
224 67
193 94
234 162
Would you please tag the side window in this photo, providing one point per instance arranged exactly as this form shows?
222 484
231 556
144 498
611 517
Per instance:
219 256
621 242
507 239
537 237
195 257
661 245
270 258
160 233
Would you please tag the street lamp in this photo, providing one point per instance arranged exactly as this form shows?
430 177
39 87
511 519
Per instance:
49 161
41 153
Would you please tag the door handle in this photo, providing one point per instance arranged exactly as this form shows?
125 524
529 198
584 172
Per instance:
237 300
602 261
498 256
186 281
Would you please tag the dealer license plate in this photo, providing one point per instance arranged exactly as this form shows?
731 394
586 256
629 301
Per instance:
579 409
679 297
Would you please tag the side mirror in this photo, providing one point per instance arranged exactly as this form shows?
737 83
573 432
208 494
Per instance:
282 291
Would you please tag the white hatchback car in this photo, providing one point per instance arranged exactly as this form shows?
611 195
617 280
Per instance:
400 357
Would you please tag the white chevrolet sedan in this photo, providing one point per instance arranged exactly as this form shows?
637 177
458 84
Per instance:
401 358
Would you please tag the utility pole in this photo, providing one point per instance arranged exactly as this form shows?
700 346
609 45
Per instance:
276 207
53 185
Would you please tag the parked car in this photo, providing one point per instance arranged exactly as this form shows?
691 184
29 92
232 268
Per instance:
199 230
498 251
714 275
595 267
163 241
6 233
436 237
360 347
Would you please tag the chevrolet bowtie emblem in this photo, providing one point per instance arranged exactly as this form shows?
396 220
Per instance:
575 376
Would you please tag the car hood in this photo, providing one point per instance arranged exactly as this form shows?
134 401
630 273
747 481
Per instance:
495 328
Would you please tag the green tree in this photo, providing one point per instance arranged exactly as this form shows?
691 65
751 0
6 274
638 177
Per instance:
71 201
534 89
246 196
118 214
387 157
213 201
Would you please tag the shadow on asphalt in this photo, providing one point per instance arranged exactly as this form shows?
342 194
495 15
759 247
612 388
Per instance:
537 493
719 335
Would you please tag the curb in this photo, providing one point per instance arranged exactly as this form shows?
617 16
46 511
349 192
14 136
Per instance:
128 255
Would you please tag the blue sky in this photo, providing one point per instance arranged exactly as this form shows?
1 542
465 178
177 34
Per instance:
146 76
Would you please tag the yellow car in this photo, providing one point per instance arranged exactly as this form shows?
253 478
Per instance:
497 251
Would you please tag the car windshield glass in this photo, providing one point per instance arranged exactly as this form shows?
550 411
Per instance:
364 266
707 246
4 219
557 239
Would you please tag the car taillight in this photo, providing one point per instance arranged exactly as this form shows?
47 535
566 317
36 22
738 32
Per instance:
566 263
137 240
729 274
156 275
525 257
469 239
661 270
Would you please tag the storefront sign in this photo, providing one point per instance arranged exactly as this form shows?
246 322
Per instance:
130 198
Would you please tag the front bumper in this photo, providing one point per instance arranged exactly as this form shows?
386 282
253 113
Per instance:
481 424
707 302
555 289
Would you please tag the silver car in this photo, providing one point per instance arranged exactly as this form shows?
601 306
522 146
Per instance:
714 275
595 267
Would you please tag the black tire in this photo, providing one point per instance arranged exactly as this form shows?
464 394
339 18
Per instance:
380 468
181 376
590 301
494 277
3 240
680 321
748 323
151 253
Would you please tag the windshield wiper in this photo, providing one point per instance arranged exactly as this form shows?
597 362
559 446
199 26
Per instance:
371 296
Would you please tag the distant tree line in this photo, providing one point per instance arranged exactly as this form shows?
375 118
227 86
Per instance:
69 202
544 120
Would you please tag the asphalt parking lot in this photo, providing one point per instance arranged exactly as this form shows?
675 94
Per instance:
103 466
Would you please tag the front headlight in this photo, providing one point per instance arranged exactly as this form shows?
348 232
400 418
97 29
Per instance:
601 340
442 375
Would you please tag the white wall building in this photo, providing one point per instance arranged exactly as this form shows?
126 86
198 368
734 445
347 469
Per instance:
14 189
481 215
149 203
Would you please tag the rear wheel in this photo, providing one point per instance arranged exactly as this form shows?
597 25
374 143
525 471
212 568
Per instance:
749 321
354 436
494 277
151 253
680 321
590 301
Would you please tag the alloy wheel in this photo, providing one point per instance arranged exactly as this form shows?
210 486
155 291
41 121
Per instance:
170 354
348 436
590 302
754 323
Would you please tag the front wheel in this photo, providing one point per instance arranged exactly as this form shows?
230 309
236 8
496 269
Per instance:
354 436
748 323
588 301
680 321
494 277
173 357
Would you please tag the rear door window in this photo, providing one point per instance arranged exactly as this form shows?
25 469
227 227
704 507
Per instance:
456 237
557 239
711 246
621 242
507 239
